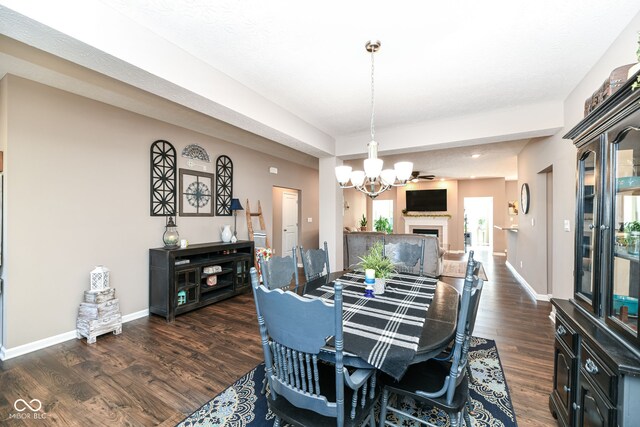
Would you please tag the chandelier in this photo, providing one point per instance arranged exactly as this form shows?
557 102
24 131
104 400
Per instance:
374 180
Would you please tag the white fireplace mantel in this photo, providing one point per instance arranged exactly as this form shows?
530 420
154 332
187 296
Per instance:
440 222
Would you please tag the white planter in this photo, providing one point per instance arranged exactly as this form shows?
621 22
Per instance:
378 287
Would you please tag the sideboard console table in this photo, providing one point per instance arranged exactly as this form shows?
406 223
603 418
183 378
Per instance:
597 347
181 280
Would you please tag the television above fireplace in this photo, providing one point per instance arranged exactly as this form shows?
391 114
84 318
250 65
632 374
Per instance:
434 200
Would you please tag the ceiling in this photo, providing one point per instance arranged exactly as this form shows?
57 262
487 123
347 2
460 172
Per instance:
297 72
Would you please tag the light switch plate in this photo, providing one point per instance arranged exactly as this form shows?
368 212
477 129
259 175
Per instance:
567 225
273 170
309 219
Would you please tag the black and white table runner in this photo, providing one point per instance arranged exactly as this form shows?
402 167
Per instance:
385 330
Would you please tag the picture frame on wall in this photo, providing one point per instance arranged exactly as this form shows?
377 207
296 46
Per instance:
196 193
513 207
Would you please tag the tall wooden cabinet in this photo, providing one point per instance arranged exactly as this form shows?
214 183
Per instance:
597 345
181 280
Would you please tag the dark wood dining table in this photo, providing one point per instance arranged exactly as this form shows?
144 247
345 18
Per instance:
438 329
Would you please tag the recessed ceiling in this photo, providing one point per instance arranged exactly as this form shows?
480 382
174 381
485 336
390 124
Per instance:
439 61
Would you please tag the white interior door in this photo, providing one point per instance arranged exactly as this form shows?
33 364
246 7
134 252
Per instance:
289 222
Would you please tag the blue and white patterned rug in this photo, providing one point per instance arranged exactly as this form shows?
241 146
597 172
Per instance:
242 404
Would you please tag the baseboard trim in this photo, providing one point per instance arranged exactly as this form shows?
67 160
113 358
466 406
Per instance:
10 353
552 316
525 285
499 254
134 316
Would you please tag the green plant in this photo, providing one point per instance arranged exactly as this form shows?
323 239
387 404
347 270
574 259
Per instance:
363 221
633 226
375 260
382 225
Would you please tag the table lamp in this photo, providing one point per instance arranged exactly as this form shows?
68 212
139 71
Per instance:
235 207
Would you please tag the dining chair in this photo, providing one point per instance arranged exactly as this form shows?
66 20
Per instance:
437 383
476 292
280 272
302 390
315 262
406 257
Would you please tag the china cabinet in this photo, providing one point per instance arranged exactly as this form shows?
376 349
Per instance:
597 346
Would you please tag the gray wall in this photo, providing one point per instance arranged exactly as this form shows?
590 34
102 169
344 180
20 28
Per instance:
77 195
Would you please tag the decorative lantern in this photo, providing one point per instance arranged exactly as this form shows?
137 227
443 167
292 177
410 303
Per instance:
99 278
171 237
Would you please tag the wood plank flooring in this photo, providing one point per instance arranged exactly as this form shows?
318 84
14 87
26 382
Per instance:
156 373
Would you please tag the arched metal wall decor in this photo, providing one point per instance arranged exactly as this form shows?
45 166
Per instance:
163 178
194 151
224 185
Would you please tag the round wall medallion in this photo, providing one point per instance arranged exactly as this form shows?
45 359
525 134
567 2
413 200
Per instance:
525 197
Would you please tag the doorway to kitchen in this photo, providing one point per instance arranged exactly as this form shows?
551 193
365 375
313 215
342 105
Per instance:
478 224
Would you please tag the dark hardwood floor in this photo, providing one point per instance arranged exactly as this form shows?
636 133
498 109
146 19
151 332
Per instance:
156 373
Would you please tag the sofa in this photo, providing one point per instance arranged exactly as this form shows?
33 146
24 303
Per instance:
357 244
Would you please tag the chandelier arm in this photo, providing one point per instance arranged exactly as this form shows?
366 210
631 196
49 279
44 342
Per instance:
369 188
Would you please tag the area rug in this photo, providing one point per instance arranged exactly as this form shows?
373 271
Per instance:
242 404
458 269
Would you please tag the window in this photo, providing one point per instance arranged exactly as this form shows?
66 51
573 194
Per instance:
383 209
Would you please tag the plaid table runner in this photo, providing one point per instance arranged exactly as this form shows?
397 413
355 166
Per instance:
385 330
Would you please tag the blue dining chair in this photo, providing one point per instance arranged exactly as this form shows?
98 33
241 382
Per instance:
406 257
315 262
302 390
280 272
439 383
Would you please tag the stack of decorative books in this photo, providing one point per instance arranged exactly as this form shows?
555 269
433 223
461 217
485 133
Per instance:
98 314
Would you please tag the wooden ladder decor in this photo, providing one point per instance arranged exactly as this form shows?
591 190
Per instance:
250 221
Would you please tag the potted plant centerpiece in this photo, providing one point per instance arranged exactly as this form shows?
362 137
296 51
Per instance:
380 264
363 223
633 241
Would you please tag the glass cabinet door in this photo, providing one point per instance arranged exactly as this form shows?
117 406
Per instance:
586 231
625 276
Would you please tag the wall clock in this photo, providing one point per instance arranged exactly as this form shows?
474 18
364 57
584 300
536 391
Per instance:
525 197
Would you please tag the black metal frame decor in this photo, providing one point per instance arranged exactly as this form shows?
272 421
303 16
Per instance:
224 185
196 195
163 178
196 152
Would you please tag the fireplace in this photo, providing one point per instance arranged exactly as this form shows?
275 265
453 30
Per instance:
434 225
429 231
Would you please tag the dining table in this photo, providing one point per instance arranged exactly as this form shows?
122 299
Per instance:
437 302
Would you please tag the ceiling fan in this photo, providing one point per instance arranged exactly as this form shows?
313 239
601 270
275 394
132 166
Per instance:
417 176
